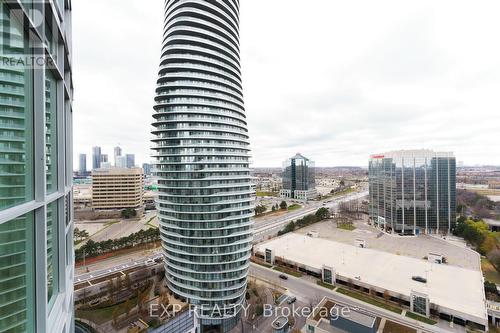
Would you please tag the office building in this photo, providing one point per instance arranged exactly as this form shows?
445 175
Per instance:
413 191
117 152
96 157
36 225
117 188
130 160
204 196
121 162
104 158
82 165
147 169
298 179
105 165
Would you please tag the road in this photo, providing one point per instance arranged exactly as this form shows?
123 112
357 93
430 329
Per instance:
115 229
308 292
270 226
305 289
122 265
263 228
124 228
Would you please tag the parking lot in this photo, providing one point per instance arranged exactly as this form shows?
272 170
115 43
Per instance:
411 246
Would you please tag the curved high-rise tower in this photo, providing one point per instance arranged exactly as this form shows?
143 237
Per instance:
201 154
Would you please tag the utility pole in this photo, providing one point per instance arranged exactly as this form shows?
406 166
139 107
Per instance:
84 267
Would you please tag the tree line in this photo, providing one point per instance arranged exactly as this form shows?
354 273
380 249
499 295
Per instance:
477 233
93 249
320 215
261 209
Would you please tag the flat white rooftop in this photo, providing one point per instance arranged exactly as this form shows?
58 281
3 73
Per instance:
454 288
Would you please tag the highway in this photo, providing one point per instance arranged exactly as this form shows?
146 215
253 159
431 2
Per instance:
117 268
305 289
263 228
270 226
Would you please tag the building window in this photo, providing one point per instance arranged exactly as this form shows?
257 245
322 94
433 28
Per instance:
51 131
17 275
52 253
16 115
327 276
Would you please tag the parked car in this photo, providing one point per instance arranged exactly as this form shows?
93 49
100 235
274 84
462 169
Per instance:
419 279
283 277
149 262
94 302
291 299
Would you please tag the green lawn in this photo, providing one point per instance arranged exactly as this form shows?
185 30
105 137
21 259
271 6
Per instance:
392 327
489 271
98 316
343 192
348 227
288 271
294 207
326 285
420 318
266 194
368 299
261 263
102 315
148 223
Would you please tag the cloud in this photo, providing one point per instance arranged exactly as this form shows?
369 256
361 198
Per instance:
335 80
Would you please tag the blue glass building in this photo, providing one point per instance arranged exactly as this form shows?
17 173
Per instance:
413 191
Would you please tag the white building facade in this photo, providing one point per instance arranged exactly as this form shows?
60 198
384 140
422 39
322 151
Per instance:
205 197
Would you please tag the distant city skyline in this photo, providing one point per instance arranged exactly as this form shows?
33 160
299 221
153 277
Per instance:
106 155
414 77
138 161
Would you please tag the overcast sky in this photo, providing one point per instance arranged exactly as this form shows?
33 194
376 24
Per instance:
334 80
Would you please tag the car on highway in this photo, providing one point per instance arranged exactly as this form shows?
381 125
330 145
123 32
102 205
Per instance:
291 300
283 277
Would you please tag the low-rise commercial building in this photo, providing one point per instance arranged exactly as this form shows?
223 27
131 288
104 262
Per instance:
331 317
427 288
117 188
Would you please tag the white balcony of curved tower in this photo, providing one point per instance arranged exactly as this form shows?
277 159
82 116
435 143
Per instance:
201 152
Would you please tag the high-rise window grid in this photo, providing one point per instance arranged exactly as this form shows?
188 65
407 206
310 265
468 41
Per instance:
36 261
202 158
413 191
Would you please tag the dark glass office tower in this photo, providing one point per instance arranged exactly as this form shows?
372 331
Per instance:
201 160
413 191
298 178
